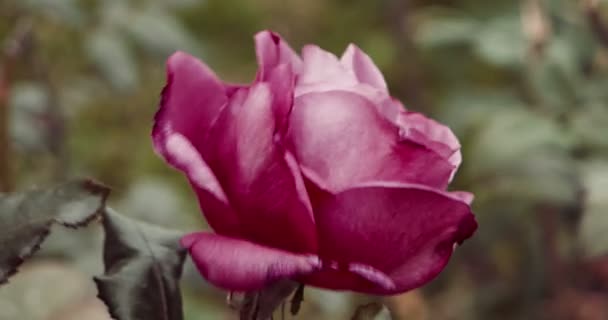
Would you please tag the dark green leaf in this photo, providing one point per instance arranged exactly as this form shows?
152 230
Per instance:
26 218
143 265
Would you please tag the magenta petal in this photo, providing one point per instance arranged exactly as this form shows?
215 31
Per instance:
190 101
343 139
189 105
240 265
434 135
213 201
372 275
466 197
271 51
266 190
406 231
363 66
282 83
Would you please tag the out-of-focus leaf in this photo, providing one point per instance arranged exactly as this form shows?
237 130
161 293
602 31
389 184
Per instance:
412 305
519 154
372 311
594 226
66 11
590 126
500 41
143 265
436 29
26 218
86 309
176 4
152 200
110 54
160 33
29 104
509 135
32 294
556 79
464 109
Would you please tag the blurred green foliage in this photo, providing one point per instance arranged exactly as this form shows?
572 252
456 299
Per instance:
522 83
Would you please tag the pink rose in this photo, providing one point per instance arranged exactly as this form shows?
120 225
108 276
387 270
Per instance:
312 172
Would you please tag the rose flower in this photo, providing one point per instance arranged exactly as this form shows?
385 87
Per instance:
312 173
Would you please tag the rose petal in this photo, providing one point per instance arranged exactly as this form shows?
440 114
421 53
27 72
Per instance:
406 231
354 276
189 104
267 193
363 66
321 66
434 135
282 80
271 51
240 265
212 199
190 101
343 139
467 197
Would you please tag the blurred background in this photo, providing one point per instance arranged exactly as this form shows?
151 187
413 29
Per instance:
523 84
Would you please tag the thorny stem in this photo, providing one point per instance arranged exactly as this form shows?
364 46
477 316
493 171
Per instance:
535 26
597 24
21 44
296 301
555 268
55 118
409 73
5 155
261 304
16 43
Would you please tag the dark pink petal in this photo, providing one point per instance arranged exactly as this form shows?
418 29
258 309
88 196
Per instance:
343 139
355 277
434 135
191 100
282 80
190 103
405 231
266 190
240 265
363 66
272 51
180 153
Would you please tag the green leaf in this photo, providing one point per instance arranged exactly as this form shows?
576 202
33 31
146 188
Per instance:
28 103
593 234
26 218
500 41
160 33
372 311
522 155
112 57
589 124
510 136
438 28
143 265
65 11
